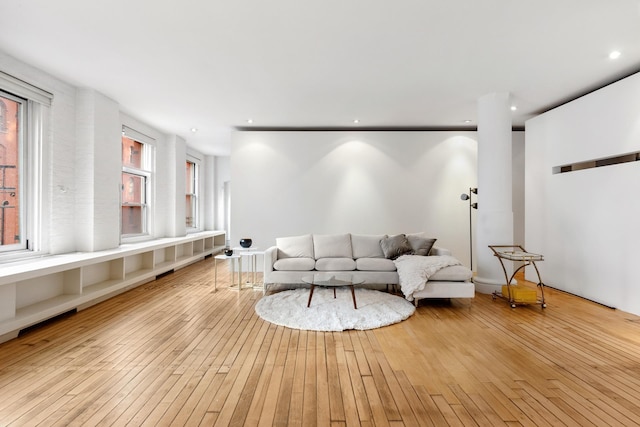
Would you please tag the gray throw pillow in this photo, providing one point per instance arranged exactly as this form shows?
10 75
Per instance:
420 245
395 246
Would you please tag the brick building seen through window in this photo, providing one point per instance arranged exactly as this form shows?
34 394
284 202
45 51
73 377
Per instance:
191 207
133 187
9 172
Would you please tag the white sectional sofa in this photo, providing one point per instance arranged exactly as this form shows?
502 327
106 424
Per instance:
368 257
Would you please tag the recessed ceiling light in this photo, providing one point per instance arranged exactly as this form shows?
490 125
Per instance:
249 121
467 121
356 121
615 54
194 130
514 108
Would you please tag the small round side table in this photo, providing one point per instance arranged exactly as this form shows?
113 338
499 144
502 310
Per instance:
234 259
252 253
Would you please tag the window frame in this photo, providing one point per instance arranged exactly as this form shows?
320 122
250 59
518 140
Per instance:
145 172
34 196
195 201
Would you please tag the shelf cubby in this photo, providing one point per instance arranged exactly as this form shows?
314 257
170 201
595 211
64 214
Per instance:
7 301
209 243
105 272
184 251
164 258
43 288
198 246
138 265
219 242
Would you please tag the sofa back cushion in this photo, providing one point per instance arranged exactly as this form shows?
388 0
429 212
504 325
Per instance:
332 246
295 246
367 245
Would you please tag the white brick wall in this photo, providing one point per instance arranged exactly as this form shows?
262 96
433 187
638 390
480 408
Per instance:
58 174
82 163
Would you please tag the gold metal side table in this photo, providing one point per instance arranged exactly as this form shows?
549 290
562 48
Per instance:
518 254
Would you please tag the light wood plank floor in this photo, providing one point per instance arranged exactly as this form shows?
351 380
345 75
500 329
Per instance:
173 352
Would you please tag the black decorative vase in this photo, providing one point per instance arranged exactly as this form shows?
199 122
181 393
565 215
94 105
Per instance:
228 252
246 243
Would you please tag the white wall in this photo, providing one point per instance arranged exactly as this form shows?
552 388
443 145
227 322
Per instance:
290 183
585 222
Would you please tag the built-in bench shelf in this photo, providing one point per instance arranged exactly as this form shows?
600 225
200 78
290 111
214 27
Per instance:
38 289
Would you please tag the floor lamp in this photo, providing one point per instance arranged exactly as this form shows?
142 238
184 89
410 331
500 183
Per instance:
465 196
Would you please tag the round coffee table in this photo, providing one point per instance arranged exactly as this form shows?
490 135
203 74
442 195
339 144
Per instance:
332 280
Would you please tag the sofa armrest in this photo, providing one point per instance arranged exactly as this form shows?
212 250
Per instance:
270 257
439 251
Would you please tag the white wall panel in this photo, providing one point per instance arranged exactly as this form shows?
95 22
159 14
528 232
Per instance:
518 166
585 222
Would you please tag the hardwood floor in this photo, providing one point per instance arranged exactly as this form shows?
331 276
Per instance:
173 352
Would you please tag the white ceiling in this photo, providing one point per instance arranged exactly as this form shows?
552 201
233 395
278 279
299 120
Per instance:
213 64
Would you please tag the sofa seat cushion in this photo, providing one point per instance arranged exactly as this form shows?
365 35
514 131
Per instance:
295 246
375 264
295 264
332 246
367 245
453 273
335 264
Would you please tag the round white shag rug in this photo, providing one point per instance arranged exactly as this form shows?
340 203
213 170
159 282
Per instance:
375 309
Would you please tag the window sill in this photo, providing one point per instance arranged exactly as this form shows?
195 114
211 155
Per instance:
136 239
23 255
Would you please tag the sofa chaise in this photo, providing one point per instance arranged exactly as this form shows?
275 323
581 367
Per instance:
373 258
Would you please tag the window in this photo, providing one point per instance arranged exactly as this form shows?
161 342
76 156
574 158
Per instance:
192 195
136 184
11 172
24 113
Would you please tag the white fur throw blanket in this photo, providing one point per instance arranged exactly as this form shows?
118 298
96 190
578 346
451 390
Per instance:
414 271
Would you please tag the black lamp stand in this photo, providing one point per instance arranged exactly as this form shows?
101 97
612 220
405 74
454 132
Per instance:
465 196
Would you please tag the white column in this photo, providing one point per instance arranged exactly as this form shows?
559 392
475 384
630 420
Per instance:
98 171
175 186
209 192
494 225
